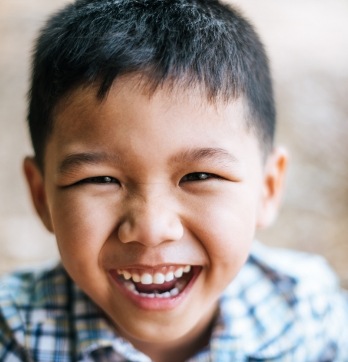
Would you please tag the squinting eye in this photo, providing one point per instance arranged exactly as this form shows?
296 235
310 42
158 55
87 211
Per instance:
198 176
99 180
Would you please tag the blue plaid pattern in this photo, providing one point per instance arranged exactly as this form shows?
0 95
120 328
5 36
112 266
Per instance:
283 306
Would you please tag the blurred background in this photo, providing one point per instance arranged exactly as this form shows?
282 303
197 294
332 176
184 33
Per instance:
307 42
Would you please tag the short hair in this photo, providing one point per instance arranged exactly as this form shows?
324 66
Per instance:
192 42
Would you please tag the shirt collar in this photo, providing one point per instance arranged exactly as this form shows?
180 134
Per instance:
254 320
256 316
94 331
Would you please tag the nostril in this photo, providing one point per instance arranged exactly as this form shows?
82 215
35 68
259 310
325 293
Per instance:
124 232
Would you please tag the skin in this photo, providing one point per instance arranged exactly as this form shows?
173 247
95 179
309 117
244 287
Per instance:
156 210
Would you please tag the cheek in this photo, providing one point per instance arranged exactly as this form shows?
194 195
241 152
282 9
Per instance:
81 226
226 228
229 240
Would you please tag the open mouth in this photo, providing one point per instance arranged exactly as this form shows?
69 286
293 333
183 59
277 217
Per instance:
160 283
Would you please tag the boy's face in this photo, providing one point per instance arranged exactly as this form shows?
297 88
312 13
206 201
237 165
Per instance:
141 187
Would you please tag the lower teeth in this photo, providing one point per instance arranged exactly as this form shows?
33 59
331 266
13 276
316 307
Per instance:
172 293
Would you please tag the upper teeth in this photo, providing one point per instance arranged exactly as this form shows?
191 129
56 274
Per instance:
154 278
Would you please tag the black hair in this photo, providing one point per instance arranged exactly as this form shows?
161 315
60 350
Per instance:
196 42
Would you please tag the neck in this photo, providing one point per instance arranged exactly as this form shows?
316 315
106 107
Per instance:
181 349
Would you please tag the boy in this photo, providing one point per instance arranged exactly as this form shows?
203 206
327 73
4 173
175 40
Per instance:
152 124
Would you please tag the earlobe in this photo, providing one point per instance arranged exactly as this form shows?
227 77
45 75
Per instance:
273 185
37 190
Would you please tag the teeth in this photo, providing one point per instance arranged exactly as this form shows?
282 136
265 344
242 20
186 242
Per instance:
151 295
146 279
127 275
136 278
179 272
187 269
157 278
130 286
180 285
169 276
165 295
172 293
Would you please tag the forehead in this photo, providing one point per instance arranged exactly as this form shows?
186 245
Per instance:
129 93
131 124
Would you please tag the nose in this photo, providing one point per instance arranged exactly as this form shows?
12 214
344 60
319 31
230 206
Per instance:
150 221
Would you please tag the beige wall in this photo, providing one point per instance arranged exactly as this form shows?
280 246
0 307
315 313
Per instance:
307 41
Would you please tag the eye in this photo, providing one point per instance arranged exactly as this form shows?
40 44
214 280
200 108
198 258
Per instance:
198 176
99 180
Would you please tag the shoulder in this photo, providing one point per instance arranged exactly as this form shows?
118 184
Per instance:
290 305
309 273
26 298
32 288
290 276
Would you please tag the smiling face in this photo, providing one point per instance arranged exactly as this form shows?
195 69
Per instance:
154 202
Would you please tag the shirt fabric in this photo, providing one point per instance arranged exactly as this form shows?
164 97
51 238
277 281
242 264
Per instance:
282 306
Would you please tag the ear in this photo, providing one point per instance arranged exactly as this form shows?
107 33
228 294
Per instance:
273 185
36 185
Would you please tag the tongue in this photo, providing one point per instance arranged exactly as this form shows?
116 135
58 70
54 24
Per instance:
151 288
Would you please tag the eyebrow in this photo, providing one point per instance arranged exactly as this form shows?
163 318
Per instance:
197 154
75 160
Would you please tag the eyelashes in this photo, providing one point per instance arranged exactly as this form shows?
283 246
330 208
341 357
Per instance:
102 180
199 176
109 180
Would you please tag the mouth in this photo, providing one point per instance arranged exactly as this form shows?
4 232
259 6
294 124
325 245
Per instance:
158 287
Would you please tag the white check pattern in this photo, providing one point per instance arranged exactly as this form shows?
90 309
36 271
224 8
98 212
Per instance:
283 306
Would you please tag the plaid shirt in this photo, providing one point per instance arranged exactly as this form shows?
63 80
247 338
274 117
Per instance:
282 306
